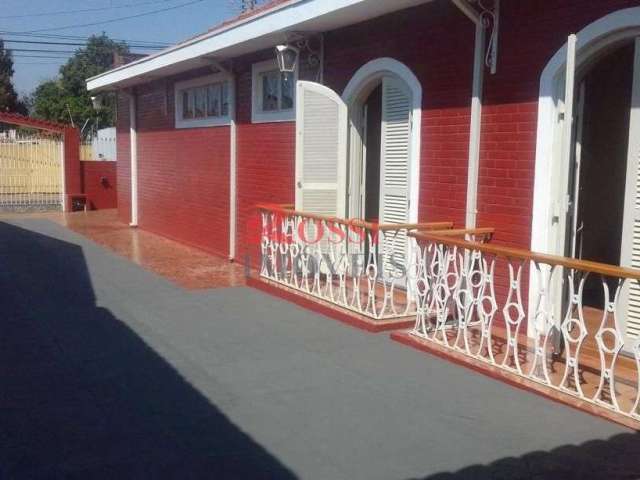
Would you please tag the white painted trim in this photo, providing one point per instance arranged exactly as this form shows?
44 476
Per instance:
199 82
259 116
373 71
602 33
253 33
233 170
475 127
133 140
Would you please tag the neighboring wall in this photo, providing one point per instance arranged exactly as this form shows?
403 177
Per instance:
99 184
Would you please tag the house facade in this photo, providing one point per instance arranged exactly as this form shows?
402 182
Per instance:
401 117
443 110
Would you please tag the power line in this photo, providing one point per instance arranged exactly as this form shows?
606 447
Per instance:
86 10
152 12
40 56
40 50
78 38
72 44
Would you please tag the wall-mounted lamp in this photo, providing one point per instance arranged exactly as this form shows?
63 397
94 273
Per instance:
287 58
97 102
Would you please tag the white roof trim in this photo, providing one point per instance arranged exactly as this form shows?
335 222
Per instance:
245 32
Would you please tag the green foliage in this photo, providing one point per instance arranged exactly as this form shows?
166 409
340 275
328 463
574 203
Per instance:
67 97
8 96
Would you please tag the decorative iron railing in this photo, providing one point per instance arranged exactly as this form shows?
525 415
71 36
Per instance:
352 264
472 298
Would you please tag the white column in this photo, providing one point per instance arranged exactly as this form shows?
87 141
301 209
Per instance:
133 139
232 169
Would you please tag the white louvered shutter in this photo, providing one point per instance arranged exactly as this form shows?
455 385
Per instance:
394 178
321 150
631 226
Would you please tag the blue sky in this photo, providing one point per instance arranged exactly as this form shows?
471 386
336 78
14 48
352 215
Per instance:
170 26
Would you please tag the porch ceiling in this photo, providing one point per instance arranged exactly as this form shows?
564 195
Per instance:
263 30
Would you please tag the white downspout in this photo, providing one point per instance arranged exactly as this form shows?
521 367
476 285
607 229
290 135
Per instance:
233 169
476 112
133 140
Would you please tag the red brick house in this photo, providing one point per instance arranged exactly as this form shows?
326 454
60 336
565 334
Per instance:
408 111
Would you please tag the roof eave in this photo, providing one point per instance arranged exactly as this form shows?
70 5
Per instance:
262 30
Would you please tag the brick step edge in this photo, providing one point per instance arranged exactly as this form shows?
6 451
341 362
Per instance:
352 319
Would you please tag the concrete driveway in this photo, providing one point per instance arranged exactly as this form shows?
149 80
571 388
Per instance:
110 371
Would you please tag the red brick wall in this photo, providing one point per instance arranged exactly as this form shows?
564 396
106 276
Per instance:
265 159
435 41
509 118
100 193
266 152
183 174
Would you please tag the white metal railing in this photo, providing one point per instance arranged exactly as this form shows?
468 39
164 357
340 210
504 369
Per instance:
470 299
355 265
30 169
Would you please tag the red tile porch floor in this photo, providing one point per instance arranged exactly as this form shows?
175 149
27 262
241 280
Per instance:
186 266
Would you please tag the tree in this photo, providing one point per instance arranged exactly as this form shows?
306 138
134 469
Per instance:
46 102
8 96
67 97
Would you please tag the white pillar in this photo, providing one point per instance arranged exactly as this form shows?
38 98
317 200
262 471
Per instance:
232 169
133 139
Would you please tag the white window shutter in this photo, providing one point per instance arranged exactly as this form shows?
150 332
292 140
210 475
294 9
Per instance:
631 224
321 150
395 155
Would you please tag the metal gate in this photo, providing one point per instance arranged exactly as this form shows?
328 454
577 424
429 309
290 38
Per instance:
31 169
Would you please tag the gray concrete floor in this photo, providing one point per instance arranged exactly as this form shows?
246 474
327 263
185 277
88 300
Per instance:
109 371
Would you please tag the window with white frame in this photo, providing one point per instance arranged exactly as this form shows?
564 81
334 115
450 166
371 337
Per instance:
273 93
203 102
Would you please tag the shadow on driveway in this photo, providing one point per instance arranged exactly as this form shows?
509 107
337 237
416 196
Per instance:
613 459
83 396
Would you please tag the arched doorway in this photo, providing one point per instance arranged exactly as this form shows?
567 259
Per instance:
357 155
586 186
384 100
